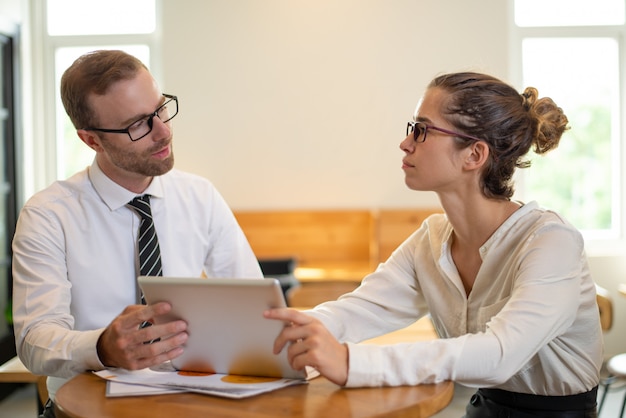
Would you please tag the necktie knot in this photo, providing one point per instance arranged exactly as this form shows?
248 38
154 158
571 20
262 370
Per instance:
141 205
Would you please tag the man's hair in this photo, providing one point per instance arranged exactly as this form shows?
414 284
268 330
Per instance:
94 73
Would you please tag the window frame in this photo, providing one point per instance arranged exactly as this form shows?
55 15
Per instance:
613 242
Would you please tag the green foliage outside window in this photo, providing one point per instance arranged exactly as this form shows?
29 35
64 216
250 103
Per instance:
567 179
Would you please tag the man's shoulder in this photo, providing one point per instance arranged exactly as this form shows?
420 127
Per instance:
61 190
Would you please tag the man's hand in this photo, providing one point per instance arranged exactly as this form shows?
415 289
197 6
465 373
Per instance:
310 344
125 344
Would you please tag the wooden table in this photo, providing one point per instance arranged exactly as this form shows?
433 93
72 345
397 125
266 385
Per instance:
84 396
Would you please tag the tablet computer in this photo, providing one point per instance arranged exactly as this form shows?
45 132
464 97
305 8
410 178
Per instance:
227 331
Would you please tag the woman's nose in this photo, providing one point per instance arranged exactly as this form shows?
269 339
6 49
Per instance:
408 144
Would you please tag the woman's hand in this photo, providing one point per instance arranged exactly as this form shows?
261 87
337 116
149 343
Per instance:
310 344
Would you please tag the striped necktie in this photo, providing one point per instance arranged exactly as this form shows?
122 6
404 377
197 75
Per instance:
148 243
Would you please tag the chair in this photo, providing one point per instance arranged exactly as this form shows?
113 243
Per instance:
311 294
605 305
616 366
42 392
281 269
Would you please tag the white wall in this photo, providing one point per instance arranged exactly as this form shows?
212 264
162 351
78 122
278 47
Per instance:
294 103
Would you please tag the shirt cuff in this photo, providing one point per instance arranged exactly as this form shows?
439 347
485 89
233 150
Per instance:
89 357
364 363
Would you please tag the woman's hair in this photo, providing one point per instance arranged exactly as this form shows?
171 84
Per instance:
510 123
94 73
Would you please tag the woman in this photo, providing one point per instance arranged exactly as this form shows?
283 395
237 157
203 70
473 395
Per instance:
507 284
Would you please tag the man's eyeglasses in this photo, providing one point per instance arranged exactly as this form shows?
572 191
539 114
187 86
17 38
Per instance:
142 127
420 129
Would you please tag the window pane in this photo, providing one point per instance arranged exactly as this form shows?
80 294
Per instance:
91 17
577 179
72 154
569 12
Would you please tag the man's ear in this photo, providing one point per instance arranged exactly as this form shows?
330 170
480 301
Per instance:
91 139
477 155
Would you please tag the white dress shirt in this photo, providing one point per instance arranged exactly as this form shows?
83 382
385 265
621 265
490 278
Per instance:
530 324
75 263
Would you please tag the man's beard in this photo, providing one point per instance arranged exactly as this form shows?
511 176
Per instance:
142 163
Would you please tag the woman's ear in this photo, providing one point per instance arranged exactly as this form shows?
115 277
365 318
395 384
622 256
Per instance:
90 139
477 155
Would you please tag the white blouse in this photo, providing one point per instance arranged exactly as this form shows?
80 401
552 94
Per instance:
530 324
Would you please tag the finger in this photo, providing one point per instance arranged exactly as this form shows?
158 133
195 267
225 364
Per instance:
296 348
288 335
149 312
142 355
288 315
135 315
299 361
296 357
154 359
160 331
166 345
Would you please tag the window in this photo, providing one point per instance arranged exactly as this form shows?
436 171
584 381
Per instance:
576 59
76 17
72 29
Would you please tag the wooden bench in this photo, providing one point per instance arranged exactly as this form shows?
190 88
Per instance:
14 371
393 226
327 244
330 245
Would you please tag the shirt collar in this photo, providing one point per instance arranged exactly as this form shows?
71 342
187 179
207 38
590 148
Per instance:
507 225
114 195
493 239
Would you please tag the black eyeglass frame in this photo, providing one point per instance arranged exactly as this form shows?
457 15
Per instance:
410 128
149 120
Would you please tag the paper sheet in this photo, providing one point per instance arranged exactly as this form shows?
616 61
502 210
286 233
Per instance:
165 380
119 389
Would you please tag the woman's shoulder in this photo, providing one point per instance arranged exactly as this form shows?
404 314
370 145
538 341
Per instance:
535 221
534 213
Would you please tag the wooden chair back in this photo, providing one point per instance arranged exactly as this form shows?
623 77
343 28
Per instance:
605 304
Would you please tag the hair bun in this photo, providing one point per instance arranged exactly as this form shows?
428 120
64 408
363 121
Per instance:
529 97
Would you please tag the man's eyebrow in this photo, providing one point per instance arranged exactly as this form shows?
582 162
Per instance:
135 118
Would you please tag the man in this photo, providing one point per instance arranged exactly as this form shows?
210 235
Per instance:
75 263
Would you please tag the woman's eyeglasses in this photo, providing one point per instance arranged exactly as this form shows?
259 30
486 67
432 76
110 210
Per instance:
420 129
